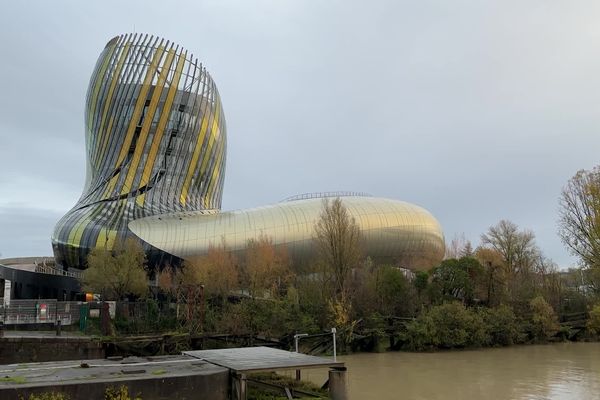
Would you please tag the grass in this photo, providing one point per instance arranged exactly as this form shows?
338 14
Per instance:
158 372
19 380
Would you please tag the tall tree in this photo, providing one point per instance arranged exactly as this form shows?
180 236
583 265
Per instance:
579 216
495 275
518 248
337 237
117 273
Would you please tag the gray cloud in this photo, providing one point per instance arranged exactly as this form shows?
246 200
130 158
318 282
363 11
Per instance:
475 110
26 231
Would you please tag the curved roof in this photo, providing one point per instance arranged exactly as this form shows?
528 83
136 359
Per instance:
394 230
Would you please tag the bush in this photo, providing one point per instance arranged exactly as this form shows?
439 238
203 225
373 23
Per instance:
120 393
446 326
421 334
48 396
501 325
544 323
269 318
145 316
593 324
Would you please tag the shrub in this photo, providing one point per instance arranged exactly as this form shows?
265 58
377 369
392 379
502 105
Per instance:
502 326
446 326
544 323
593 324
120 393
48 396
270 318
421 334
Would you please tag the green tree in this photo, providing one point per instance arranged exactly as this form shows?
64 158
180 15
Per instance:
117 273
455 279
392 290
383 290
421 283
312 298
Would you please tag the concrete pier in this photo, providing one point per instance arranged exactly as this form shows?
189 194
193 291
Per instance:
153 378
37 346
338 386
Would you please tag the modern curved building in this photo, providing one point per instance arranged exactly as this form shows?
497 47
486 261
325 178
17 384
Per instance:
156 149
155 141
391 231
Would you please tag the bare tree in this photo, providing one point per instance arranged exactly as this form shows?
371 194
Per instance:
117 273
453 248
518 248
467 250
459 247
337 237
166 280
217 271
266 267
579 216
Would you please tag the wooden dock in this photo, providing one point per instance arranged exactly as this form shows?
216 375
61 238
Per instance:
244 360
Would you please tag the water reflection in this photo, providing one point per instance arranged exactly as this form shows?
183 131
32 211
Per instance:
559 371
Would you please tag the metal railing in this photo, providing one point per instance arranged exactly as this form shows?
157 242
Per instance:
322 195
40 311
46 269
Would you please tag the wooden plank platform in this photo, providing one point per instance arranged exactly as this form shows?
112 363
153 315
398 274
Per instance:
260 359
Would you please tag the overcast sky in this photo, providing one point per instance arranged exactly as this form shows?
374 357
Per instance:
476 110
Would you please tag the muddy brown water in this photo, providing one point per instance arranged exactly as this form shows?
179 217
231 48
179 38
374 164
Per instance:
565 371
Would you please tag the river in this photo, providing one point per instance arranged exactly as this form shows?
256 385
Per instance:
562 371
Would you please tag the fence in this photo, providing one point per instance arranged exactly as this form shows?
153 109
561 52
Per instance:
141 315
40 311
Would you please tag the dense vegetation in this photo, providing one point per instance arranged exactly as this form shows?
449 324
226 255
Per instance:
502 292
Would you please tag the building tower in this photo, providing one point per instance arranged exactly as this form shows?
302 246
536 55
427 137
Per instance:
155 143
